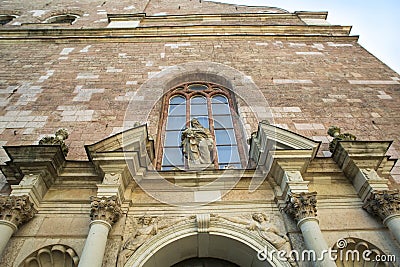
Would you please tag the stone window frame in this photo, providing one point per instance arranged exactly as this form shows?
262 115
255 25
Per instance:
6 18
213 89
58 19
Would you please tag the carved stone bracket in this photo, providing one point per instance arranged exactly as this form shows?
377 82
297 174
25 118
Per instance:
16 209
58 139
105 209
383 203
302 205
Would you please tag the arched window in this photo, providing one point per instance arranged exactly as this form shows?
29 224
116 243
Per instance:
200 129
4 19
62 19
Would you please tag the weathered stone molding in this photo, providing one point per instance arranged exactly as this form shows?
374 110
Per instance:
16 209
302 205
334 131
58 139
383 203
105 209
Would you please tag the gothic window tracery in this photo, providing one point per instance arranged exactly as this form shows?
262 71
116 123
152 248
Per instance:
212 107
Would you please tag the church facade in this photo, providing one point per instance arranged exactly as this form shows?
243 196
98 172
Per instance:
193 133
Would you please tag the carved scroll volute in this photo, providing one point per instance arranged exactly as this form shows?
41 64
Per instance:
16 209
383 203
105 209
302 205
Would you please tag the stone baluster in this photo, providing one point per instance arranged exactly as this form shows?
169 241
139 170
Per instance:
386 205
14 211
105 211
302 207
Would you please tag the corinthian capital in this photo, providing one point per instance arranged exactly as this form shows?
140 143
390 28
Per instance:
16 209
105 209
302 205
383 203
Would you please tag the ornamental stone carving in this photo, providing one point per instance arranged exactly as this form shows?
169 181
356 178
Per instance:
334 131
383 203
302 205
16 209
263 226
142 229
105 209
58 139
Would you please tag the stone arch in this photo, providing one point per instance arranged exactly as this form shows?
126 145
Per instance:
253 107
52 256
221 241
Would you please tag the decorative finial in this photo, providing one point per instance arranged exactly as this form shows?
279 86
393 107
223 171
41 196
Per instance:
334 131
58 139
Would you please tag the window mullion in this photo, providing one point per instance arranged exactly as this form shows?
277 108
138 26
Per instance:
211 125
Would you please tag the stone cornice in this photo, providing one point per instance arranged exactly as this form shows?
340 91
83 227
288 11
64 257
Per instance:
16 209
383 203
354 155
45 160
267 31
105 209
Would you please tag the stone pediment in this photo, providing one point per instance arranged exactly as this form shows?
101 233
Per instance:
271 139
133 145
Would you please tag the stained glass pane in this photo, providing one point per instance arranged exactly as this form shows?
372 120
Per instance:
198 100
176 100
172 138
220 109
228 154
225 137
197 87
219 99
198 110
175 110
172 156
176 123
223 122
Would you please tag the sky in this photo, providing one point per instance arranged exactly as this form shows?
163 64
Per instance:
375 21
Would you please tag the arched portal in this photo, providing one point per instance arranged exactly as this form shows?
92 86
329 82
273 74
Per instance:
224 242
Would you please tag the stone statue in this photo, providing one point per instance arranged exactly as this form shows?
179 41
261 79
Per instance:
334 131
265 229
58 139
146 227
197 144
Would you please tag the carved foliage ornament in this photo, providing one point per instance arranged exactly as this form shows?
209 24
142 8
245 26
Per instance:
334 131
16 209
58 139
383 203
302 205
105 209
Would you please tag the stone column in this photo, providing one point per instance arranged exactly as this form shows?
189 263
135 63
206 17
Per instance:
14 211
386 205
302 206
105 211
